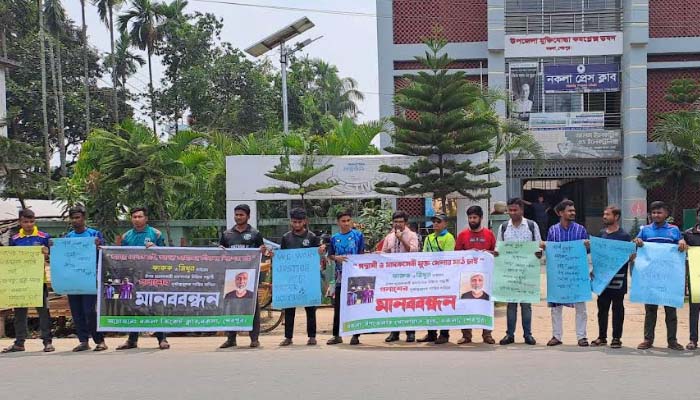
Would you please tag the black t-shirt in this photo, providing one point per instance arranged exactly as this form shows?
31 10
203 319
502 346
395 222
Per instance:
248 239
692 236
292 241
618 284
470 296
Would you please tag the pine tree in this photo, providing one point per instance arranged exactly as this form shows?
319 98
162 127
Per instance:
441 123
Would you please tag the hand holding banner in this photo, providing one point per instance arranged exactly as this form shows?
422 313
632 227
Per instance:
74 265
568 279
296 280
516 276
658 275
608 257
694 273
21 276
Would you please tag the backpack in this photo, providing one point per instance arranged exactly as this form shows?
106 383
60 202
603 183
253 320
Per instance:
530 225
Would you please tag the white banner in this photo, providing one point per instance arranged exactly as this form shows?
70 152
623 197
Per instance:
564 44
409 291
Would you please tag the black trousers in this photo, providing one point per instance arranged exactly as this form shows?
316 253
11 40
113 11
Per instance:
255 333
618 314
290 313
443 332
44 321
336 313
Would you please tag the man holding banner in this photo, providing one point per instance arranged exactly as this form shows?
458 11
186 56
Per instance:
243 236
692 238
30 235
615 292
567 230
83 306
660 231
518 229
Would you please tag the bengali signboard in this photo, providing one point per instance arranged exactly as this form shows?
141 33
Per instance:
21 276
575 135
581 78
568 278
171 289
658 276
517 273
297 280
563 44
608 257
74 265
405 291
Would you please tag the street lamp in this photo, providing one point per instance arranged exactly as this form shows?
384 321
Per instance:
279 38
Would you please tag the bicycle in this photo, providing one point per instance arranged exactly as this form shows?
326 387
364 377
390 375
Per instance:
270 318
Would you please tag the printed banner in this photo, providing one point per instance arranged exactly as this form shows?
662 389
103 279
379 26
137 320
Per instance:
575 135
74 265
568 278
608 256
563 44
658 275
523 85
177 289
694 273
21 276
581 78
297 278
516 276
407 291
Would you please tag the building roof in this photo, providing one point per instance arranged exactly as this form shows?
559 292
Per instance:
9 208
6 62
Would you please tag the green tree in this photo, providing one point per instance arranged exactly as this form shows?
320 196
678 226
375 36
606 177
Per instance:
124 63
56 24
105 9
346 137
441 123
20 171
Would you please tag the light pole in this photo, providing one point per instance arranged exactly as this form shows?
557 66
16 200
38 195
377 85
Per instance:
279 38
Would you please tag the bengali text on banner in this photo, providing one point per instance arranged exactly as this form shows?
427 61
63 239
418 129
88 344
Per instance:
21 276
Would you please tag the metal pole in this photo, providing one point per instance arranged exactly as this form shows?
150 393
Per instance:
283 62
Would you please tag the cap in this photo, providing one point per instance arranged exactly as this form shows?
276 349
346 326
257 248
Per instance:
439 217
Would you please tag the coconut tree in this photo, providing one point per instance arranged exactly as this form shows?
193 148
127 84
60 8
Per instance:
123 61
105 9
44 108
56 24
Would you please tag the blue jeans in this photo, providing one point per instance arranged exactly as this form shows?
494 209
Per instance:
83 309
512 318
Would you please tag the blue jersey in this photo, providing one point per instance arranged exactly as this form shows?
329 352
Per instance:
343 244
36 238
665 233
88 232
140 238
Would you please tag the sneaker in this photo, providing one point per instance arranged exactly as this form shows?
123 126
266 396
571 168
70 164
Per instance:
645 345
393 337
464 340
615 343
553 342
254 344
48 348
286 342
427 338
83 346
228 343
442 339
674 345
334 340
355 340
530 340
507 339
599 342
583 342
311 341
488 339
101 347
127 346
164 345
410 337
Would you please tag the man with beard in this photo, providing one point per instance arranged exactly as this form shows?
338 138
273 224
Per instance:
476 237
476 282
615 292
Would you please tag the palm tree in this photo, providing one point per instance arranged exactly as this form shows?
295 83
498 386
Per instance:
123 62
144 17
105 8
85 66
56 24
174 14
44 108
340 95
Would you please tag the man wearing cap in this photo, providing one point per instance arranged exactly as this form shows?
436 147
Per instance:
440 240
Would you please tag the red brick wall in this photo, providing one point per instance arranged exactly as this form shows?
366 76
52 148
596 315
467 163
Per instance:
682 57
674 18
658 80
461 20
414 207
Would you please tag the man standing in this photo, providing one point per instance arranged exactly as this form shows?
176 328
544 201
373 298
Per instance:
476 237
440 240
540 210
615 292
518 229
30 235
83 307
346 242
660 231
298 238
692 238
141 234
567 230
400 240
243 236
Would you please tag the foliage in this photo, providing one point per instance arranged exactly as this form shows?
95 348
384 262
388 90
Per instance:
375 221
441 122
20 166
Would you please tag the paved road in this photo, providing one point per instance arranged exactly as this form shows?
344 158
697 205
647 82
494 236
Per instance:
192 369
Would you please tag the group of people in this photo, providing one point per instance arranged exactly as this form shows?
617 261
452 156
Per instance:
350 241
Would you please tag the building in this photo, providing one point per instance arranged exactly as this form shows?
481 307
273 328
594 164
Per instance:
588 77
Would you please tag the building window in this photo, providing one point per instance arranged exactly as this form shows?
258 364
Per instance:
562 16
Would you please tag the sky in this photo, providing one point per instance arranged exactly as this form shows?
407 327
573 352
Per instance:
349 41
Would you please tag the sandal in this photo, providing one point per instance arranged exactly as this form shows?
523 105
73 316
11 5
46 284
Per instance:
164 345
599 342
691 346
583 342
13 349
553 342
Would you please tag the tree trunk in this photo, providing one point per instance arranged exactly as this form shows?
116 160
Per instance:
54 83
44 107
85 67
114 67
61 114
150 89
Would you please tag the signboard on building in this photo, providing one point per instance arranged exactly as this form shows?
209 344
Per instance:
581 78
575 135
523 78
564 45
